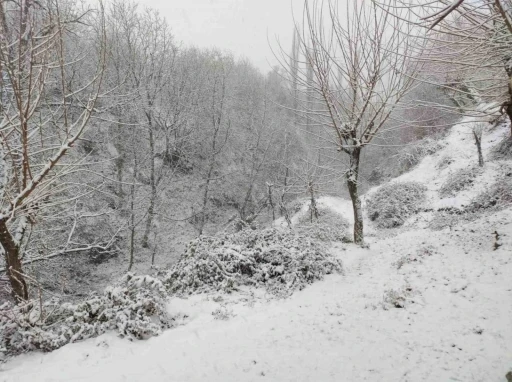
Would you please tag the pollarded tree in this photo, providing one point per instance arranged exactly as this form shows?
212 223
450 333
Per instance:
361 67
43 114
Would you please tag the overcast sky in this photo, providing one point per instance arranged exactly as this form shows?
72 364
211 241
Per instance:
241 26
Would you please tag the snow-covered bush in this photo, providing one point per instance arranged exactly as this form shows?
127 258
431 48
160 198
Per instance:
416 257
459 181
396 298
412 154
134 308
394 202
444 162
330 226
279 260
496 196
502 150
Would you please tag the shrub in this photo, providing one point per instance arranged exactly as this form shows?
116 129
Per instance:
396 298
502 150
497 196
417 257
330 226
411 155
393 203
459 181
279 260
444 162
134 308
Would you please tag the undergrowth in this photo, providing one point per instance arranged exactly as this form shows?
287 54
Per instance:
393 203
278 260
134 308
329 226
459 181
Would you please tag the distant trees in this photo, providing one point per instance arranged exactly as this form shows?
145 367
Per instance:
361 65
44 112
202 121
170 141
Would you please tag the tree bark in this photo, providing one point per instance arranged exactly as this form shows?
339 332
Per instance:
352 183
13 264
507 106
312 206
478 142
152 181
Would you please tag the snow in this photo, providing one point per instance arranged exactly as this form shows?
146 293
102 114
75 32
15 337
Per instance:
460 147
335 204
456 324
458 328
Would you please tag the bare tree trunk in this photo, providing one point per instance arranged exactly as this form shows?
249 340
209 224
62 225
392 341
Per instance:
132 225
13 264
352 183
205 196
282 202
271 201
478 142
507 106
312 207
155 247
132 204
152 181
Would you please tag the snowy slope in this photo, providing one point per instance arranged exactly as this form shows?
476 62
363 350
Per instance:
454 322
460 148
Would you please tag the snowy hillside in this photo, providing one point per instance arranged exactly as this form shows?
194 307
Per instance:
418 305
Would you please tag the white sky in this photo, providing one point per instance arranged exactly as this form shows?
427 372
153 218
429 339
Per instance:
243 27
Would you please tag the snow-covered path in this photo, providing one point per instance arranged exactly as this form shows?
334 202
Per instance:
456 324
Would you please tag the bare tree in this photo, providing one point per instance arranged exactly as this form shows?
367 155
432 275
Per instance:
362 67
39 122
468 48
219 128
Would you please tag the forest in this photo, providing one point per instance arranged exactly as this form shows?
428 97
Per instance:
360 190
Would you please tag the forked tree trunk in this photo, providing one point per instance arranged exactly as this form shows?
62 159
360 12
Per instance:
13 264
352 183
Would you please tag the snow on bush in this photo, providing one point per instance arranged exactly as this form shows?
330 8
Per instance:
496 196
394 202
459 181
397 298
503 150
279 260
134 308
412 154
330 226
445 161
417 257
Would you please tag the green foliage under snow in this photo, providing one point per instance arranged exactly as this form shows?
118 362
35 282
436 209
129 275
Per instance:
134 308
394 202
279 260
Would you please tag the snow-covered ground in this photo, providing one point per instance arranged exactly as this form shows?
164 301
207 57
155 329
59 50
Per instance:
450 320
